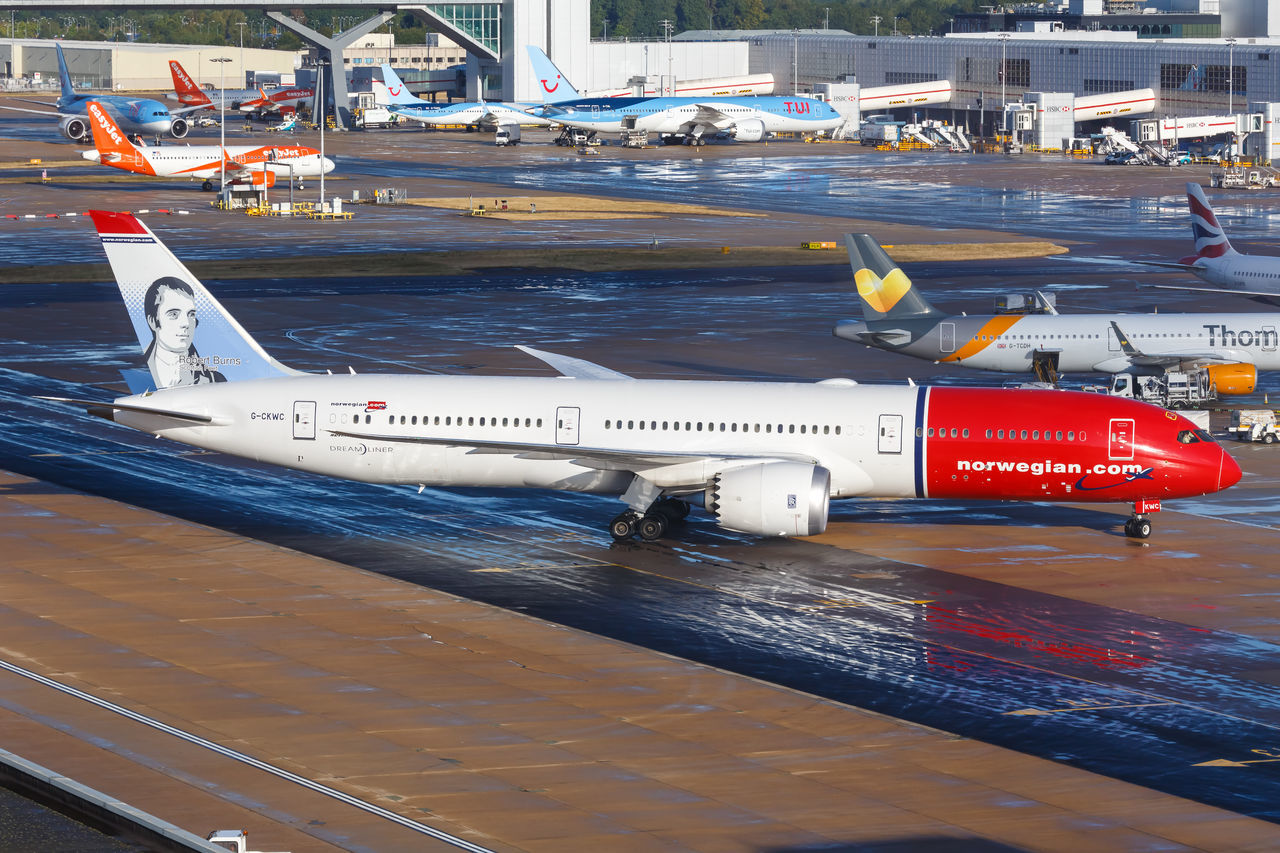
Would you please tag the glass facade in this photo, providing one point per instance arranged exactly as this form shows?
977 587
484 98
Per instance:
1189 79
481 21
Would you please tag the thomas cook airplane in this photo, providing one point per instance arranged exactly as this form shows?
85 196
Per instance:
898 318
236 162
762 458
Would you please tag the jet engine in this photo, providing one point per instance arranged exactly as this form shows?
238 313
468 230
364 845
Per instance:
772 499
751 130
1232 379
179 128
75 128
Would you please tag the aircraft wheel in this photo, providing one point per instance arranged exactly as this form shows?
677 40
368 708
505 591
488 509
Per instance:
652 526
623 527
1137 528
207 186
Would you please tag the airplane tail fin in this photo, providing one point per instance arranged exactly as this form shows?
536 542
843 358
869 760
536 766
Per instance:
1211 240
187 337
68 91
114 147
555 87
884 289
397 93
188 92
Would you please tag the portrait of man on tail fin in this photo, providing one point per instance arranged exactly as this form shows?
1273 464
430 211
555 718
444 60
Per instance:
170 308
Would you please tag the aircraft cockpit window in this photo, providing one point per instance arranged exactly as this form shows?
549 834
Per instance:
1204 435
1188 436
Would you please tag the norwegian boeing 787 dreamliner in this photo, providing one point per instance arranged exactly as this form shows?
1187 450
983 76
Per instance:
762 458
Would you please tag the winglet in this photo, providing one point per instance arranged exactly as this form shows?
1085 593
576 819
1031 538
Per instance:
1125 347
574 368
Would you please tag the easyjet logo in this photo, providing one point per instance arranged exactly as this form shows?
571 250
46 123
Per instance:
181 74
105 124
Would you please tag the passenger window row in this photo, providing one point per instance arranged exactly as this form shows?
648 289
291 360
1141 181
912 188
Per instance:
450 420
1012 435
699 426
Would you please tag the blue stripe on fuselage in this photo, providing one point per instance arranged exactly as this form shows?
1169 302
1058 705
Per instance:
922 396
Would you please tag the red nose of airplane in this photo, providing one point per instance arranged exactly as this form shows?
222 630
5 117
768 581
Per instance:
1228 471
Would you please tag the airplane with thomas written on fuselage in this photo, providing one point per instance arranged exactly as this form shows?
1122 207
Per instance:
897 317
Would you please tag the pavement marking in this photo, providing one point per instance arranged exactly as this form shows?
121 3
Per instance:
1039 712
413 825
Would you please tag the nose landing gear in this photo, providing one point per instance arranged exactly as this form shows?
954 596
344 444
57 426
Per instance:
1137 527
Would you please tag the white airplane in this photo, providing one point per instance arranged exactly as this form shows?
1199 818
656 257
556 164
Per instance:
763 458
1216 262
898 318
391 92
748 118
237 162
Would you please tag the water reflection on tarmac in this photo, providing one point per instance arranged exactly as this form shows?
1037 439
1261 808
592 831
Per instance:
1115 692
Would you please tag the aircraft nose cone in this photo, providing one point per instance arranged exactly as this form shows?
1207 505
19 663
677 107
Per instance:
328 165
1228 471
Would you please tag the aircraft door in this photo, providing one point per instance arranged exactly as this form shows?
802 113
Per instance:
947 337
1268 339
890 435
567 424
304 420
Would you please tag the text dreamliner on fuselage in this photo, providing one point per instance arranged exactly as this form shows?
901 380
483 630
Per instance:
135 115
764 458
747 118
897 317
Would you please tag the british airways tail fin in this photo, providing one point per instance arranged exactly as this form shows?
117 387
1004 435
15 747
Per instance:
68 91
1211 240
393 89
884 290
186 336
554 86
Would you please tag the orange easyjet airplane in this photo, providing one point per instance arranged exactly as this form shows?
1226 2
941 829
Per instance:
240 162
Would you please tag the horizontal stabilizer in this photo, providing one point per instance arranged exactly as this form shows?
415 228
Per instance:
102 409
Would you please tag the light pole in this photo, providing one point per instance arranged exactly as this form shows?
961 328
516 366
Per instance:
1004 40
1231 73
795 62
895 25
241 25
321 64
222 123
667 27
875 22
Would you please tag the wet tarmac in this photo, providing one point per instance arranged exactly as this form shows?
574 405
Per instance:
1104 688
1131 696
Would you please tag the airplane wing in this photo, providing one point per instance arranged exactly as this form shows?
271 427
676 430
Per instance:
102 409
712 116
596 458
1174 358
574 368
54 111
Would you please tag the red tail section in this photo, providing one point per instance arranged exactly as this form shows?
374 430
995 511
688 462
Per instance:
189 94
114 148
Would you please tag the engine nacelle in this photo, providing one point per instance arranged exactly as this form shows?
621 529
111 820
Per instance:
772 499
1233 379
179 128
75 128
751 130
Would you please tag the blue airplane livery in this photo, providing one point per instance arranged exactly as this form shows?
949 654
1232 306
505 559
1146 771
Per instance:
133 115
392 93
745 118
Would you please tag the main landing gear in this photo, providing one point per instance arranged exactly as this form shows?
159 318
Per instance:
653 524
